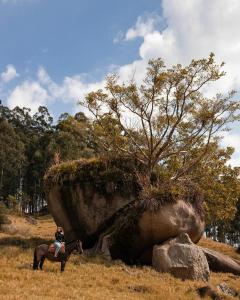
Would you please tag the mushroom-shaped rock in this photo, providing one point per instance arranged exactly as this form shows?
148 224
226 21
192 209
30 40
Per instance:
98 202
82 195
181 258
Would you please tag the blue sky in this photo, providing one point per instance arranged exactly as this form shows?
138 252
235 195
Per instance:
68 37
53 52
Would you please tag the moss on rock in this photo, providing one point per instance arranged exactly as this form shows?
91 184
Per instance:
106 176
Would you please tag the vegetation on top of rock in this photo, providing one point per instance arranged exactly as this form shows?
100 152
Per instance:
105 175
122 175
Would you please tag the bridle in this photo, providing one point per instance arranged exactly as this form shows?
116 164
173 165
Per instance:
78 247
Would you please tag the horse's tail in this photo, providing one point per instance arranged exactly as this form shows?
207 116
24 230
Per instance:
35 262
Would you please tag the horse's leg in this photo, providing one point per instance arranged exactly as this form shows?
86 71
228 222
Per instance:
63 262
35 260
42 262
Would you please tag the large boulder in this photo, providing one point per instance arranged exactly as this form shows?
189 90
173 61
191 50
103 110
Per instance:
98 202
181 258
219 262
82 195
137 228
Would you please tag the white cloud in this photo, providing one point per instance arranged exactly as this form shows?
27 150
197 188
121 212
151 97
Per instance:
71 89
74 88
44 91
9 74
193 30
233 140
142 27
28 94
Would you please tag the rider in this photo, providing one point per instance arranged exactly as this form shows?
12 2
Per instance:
60 240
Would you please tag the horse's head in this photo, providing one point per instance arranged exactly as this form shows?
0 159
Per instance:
79 247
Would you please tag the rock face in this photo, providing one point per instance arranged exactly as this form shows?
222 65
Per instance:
181 258
83 195
81 210
221 263
137 229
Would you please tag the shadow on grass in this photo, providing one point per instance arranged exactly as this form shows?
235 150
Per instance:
100 259
23 243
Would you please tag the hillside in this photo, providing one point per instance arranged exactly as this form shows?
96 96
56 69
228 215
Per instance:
87 277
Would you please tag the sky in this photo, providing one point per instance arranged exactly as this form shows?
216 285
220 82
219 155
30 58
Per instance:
53 52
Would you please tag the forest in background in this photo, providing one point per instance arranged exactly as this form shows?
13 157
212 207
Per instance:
178 143
30 144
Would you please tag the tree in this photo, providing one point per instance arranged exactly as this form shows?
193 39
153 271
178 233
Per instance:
167 116
73 137
34 132
220 185
42 120
234 232
38 133
11 158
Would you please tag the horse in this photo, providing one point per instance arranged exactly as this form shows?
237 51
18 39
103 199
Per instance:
41 252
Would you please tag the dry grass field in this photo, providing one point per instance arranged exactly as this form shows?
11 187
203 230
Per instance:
87 277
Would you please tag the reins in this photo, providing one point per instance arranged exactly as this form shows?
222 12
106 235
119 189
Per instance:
68 243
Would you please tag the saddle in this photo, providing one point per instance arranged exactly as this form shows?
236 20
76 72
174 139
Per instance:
51 249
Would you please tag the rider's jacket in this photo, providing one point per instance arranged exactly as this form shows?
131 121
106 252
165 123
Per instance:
59 237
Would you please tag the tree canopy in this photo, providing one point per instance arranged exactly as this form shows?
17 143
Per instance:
166 116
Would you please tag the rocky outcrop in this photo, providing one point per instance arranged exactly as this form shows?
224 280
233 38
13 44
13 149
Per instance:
82 195
98 202
138 228
181 258
219 262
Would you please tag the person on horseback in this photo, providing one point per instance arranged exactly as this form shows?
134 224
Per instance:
60 240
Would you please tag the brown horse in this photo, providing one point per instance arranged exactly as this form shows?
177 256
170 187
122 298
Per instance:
41 252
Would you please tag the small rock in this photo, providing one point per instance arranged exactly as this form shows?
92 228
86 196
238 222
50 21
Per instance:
219 262
181 258
224 288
